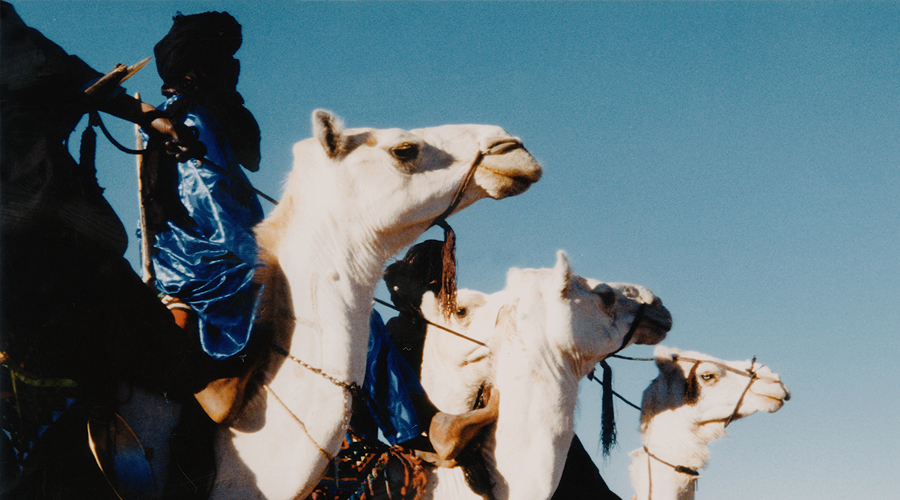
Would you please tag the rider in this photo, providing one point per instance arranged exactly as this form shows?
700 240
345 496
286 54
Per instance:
407 280
71 307
202 212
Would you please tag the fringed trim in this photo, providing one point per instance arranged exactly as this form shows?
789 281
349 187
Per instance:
608 418
447 295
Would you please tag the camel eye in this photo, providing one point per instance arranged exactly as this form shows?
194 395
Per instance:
708 376
608 297
406 152
462 312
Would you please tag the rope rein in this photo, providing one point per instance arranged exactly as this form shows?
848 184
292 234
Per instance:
444 328
95 120
300 423
351 387
678 468
750 372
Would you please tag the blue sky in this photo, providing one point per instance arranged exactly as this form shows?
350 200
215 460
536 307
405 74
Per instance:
738 159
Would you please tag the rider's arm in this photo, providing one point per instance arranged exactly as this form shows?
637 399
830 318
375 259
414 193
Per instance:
129 108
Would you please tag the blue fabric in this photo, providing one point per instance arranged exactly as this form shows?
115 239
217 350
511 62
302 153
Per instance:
389 382
210 265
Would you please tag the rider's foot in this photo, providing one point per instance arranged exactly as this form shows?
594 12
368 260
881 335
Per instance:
222 398
449 434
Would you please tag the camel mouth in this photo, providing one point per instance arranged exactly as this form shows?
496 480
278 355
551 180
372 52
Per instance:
477 355
654 326
779 399
507 169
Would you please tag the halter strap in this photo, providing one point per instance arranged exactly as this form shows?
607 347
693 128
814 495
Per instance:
677 468
440 220
749 373
447 295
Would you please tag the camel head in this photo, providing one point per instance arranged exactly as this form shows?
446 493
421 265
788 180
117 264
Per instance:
585 320
688 405
453 367
549 312
388 185
545 331
710 391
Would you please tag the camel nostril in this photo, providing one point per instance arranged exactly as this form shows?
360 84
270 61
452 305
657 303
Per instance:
504 146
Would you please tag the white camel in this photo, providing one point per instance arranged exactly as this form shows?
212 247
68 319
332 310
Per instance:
688 405
355 197
546 330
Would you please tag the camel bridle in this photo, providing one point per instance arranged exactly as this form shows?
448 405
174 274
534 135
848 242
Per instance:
749 373
692 380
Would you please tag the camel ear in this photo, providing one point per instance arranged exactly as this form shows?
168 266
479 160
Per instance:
328 130
562 274
665 358
692 386
430 305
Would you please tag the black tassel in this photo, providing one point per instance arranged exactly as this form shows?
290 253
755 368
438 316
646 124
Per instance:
88 150
608 418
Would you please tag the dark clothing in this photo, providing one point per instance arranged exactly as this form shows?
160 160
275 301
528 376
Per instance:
581 478
70 304
71 307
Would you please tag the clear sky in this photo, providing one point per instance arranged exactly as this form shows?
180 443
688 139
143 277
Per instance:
738 159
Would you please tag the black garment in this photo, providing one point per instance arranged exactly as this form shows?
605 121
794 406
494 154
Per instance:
581 478
70 304
195 60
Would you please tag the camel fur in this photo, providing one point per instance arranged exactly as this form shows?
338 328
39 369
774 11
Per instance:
689 405
546 330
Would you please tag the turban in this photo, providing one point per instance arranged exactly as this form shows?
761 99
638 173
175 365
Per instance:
204 42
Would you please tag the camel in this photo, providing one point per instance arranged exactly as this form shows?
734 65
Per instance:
545 331
354 198
688 405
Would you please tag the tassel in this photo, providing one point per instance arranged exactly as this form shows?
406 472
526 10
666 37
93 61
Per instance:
447 296
88 150
608 418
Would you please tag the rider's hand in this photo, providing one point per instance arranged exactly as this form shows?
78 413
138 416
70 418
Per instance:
181 140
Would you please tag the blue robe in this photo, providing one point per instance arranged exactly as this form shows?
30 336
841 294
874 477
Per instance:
388 383
210 265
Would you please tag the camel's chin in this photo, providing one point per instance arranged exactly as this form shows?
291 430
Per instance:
650 335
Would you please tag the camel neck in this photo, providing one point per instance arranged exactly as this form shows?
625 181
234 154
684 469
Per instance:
549 405
665 469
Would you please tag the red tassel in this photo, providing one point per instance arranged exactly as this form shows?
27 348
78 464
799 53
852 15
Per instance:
447 296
